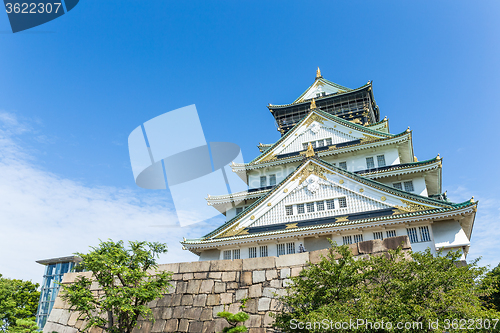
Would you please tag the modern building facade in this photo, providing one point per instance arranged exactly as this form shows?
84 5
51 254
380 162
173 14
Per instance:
54 270
338 173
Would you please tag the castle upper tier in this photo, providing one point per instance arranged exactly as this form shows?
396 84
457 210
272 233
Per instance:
336 173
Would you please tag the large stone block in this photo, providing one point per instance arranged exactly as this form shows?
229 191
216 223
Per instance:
252 305
195 326
206 286
165 301
183 325
178 312
226 265
271 274
258 276
194 286
254 321
269 292
200 300
226 298
171 325
194 267
268 320
275 283
228 276
220 287
209 326
174 268
371 246
316 256
246 278
167 313
285 273
206 314
176 300
241 293
200 275
213 300
70 277
287 282
257 330
181 287
216 310
193 313
296 271
220 323
158 326
292 259
264 304
187 300
187 276
232 285
255 290
234 308
393 243
215 275
253 264
73 318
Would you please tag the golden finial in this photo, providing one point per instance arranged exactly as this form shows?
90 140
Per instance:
408 129
313 104
438 157
310 150
318 73
415 159
472 199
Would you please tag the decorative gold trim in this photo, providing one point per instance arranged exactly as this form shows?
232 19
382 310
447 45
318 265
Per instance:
243 232
313 104
350 132
361 190
285 190
252 217
383 198
411 206
342 219
269 157
341 181
269 204
318 73
312 118
368 138
307 171
291 226
399 212
310 150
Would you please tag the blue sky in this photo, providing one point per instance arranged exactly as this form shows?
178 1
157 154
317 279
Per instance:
73 89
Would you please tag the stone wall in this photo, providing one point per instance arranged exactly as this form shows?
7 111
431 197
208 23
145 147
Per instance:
201 289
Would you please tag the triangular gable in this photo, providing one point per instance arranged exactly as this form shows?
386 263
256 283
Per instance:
319 125
321 86
361 194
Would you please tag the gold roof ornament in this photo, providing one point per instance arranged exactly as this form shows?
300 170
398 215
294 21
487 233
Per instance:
415 159
310 150
318 73
313 104
438 157
408 129
472 199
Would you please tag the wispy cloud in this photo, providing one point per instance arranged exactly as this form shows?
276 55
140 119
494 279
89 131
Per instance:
43 215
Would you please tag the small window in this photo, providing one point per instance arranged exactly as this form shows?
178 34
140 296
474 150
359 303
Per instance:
263 251
321 143
343 165
320 205
252 252
318 94
398 186
412 234
305 145
358 238
300 209
328 141
313 144
281 249
391 233
310 207
236 254
330 204
381 160
272 180
369 163
290 248
323 93
342 202
227 255
409 186
239 210
263 181
289 210
378 235
424 234
347 240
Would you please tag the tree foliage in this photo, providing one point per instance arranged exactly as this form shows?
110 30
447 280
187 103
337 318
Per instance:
125 282
235 319
492 281
394 288
18 300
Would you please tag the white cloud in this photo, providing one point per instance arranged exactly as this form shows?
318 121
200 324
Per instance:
43 215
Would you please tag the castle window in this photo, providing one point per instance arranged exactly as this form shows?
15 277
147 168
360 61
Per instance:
281 249
304 145
409 186
328 141
358 238
320 205
289 210
263 181
290 248
310 207
323 93
313 144
227 255
391 233
330 204
412 234
370 164
300 209
239 210
263 251
398 186
343 165
252 252
272 180
424 234
381 160
347 240
378 235
342 202
321 143
236 254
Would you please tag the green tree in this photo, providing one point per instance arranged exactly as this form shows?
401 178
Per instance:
18 300
24 326
128 281
395 288
235 319
493 281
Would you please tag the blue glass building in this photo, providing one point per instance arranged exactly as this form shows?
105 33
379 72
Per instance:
54 271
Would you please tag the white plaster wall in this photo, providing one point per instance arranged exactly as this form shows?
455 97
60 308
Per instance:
281 172
418 183
449 234
272 248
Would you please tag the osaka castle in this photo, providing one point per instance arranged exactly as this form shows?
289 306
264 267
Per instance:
337 173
